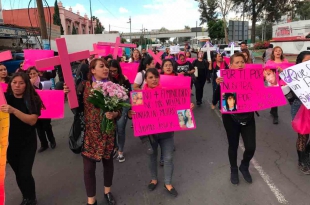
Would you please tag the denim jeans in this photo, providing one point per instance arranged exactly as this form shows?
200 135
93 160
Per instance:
120 129
166 143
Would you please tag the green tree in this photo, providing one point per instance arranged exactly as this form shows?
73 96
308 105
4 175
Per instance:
56 18
302 9
74 31
267 31
98 28
216 29
163 29
270 11
187 27
123 40
207 9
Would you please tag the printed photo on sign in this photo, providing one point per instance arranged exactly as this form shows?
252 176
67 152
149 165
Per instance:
229 102
270 77
137 98
185 119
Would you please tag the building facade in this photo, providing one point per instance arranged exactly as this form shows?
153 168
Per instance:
69 19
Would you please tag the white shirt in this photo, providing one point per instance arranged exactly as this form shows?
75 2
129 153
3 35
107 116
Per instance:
139 80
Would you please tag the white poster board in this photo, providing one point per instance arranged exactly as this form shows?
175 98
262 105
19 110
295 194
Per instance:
174 49
298 78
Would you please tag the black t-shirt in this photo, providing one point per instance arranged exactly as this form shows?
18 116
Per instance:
20 132
183 68
203 67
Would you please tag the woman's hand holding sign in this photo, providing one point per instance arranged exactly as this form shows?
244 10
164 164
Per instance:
219 80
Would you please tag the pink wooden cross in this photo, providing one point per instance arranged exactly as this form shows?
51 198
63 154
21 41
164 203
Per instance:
64 60
6 55
116 45
156 57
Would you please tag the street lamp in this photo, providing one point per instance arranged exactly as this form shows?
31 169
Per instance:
130 28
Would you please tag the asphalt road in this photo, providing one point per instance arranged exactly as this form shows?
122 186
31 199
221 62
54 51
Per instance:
201 174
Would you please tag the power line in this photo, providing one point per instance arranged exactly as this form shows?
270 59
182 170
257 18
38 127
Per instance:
107 9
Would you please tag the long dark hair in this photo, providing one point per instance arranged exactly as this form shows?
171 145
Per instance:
301 56
162 66
31 98
246 51
121 77
145 61
154 71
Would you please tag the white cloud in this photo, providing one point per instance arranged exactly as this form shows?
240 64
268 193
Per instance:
99 11
123 10
151 6
77 7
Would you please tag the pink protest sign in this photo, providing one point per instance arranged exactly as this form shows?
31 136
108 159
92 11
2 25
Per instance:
226 59
130 70
191 60
248 90
53 101
6 55
64 60
116 46
32 55
254 66
162 110
2 97
101 50
156 57
180 81
4 86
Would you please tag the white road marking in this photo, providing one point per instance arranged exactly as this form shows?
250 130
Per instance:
267 179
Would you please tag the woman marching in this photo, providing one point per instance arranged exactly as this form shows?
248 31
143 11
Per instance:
146 63
236 124
4 78
24 106
98 146
164 140
203 68
276 58
302 144
135 57
119 78
247 56
44 127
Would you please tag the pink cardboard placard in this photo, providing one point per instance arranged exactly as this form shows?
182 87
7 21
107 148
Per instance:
130 70
4 86
54 102
247 90
191 60
2 97
180 81
162 110
6 55
254 66
32 55
116 46
64 60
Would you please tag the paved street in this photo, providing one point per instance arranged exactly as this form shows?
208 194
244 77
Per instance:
201 174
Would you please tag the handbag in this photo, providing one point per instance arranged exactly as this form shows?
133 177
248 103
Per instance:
243 118
301 121
76 134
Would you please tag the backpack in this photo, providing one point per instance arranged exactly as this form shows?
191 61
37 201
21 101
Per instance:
143 78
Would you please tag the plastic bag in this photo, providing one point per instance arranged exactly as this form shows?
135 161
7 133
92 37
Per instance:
301 122
76 134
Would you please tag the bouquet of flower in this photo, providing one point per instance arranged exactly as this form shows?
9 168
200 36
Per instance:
109 97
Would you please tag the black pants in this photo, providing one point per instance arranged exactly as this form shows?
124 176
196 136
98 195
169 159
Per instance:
21 158
44 129
248 133
274 112
90 174
199 85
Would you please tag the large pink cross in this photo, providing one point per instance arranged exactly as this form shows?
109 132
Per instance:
116 45
156 57
64 59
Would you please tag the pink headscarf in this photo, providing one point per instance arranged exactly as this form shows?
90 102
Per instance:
179 61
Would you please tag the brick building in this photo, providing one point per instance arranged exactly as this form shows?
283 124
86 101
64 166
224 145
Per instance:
69 19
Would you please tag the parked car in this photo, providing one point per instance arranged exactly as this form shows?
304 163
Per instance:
13 64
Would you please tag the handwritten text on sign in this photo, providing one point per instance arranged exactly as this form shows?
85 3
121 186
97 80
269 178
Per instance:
161 110
251 89
298 79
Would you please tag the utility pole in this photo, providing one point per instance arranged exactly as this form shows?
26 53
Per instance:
243 22
91 18
44 35
130 28
196 29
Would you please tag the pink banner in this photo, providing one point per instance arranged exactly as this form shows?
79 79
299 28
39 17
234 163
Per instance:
162 110
32 55
6 55
181 81
254 66
191 60
272 64
54 102
248 90
130 70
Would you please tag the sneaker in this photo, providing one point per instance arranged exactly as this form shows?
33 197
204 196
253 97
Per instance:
304 168
121 158
246 174
234 177
275 120
115 153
